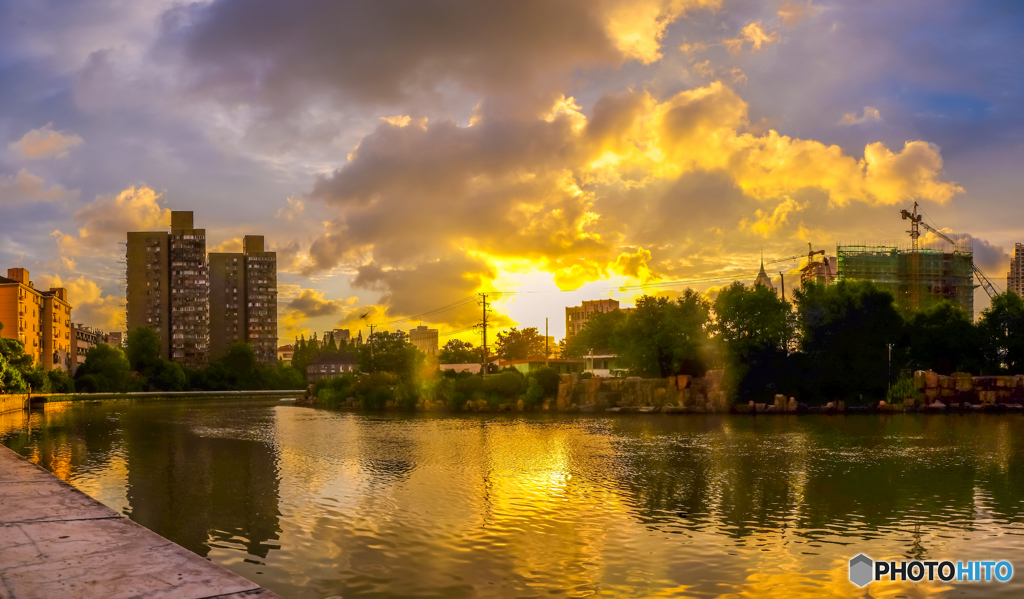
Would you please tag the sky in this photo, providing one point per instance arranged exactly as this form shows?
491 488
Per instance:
402 156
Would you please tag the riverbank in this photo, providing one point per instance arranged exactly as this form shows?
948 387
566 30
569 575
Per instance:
58 542
38 398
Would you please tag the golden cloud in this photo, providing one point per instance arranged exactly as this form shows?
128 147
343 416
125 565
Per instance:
88 304
753 34
45 143
104 222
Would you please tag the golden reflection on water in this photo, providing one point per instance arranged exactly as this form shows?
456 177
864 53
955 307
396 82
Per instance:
315 503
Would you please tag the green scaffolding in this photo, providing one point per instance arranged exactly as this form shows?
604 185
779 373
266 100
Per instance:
917 278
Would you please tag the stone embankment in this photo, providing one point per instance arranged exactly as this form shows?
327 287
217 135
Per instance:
13 403
56 541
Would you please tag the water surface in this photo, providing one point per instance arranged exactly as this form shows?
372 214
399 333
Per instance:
317 503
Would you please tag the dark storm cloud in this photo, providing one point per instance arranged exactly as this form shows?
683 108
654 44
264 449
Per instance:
280 54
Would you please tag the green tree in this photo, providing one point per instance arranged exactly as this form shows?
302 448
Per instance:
11 380
845 332
1002 327
389 352
520 345
598 334
165 375
664 338
942 338
755 327
142 348
105 370
458 352
331 347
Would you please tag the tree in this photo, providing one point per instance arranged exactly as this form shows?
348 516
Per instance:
1002 326
663 338
105 370
598 334
331 347
755 327
520 345
165 375
458 352
942 338
391 352
142 348
845 332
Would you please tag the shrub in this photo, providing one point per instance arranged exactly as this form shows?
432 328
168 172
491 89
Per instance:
534 393
407 396
900 390
548 380
506 385
586 375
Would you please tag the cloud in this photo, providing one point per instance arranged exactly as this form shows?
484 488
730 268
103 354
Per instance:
231 246
108 218
88 304
285 58
45 143
871 115
792 13
311 304
25 186
293 209
428 214
752 33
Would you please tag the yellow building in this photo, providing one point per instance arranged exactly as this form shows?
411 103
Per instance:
41 320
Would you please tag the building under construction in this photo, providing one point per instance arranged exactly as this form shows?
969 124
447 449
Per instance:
917 277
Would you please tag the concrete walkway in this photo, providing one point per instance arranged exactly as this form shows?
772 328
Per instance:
56 541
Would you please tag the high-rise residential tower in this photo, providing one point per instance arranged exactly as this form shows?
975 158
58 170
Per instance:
168 289
243 300
1015 278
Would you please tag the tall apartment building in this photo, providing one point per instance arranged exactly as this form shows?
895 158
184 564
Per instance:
576 316
243 300
424 339
41 320
168 288
1015 278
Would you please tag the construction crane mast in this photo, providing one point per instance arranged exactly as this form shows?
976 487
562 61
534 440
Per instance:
916 219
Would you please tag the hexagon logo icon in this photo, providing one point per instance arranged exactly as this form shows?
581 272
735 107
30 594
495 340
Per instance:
861 567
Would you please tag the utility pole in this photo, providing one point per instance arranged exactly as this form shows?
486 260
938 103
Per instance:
782 283
483 358
371 347
547 352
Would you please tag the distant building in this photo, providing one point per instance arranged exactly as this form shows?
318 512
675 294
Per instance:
285 353
329 366
1015 278
169 287
916 278
243 300
532 364
554 350
339 335
820 272
83 339
424 339
114 338
577 316
763 279
41 320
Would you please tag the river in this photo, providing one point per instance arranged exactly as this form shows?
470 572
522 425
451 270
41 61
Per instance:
318 503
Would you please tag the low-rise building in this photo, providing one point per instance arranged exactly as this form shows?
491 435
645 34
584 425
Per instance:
41 320
83 339
285 353
329 366
528 365
606 365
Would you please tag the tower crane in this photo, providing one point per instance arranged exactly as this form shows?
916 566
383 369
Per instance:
917 219
811 252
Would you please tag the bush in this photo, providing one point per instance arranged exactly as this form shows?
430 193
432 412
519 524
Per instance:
506 385
60 381
534 393
586 375
900 390
407 395
378 398
548 380
466 389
